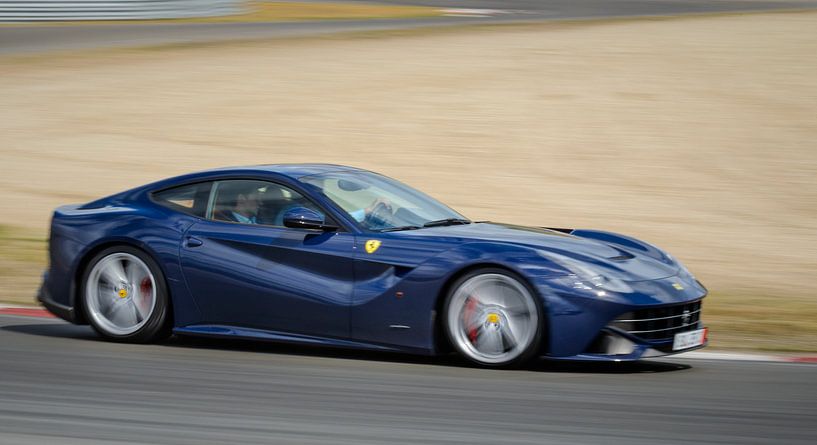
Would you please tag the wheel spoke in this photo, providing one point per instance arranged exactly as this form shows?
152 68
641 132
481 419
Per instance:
498 292
114 273
106 303
512 301
517 311
489 341
508 338
121 315
137 313
105 295
131 272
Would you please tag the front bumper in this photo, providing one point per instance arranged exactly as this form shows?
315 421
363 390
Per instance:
618 346
612 326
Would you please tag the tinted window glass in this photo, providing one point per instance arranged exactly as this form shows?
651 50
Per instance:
256 202
190 199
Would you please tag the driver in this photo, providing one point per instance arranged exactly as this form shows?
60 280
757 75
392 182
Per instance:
245 209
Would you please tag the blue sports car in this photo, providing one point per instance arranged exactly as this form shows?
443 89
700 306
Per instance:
333 255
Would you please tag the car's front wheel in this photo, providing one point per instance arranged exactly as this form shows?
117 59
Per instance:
125 297
493 318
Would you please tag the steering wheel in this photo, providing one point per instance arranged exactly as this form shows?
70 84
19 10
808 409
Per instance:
379 216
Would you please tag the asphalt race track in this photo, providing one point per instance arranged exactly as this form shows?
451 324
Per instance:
61 384
22 39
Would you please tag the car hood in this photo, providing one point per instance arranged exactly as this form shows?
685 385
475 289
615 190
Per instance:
626 261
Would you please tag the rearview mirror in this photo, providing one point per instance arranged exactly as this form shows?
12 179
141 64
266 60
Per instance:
351 186
304 218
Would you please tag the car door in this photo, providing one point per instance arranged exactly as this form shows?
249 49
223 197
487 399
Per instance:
246 269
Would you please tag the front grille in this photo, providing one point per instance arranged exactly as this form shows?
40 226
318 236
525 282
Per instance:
661 323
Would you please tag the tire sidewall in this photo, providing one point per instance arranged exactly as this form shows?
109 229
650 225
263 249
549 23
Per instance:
158 322
532 348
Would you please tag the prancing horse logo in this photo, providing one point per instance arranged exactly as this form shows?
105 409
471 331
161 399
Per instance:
686 317
372 245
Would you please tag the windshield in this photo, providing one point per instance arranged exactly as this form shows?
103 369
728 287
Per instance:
380 203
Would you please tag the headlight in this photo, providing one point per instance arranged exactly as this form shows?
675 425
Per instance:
587 283
594 284
584 278
597 284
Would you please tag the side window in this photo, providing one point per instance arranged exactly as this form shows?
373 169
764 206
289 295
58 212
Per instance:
190 199
255 202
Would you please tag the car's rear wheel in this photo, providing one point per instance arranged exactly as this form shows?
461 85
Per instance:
125 297
493 318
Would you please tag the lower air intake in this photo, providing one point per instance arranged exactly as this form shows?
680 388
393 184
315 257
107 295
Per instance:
661 323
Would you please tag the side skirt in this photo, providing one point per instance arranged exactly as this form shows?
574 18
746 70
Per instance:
275 336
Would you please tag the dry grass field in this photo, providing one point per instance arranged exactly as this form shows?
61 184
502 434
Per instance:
697 134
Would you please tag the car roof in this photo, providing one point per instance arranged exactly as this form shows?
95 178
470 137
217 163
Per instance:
293 171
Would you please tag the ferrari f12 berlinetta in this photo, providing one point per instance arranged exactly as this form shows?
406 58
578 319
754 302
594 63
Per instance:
334 255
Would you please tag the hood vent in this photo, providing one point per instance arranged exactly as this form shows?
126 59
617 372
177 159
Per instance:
626 256
623 255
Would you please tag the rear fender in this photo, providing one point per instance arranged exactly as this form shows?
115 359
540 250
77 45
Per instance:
77 235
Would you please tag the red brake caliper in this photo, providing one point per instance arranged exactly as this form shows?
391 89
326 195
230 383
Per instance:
468 317
146 287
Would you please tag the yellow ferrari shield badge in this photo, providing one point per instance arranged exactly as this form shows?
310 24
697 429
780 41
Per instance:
677 286
372 245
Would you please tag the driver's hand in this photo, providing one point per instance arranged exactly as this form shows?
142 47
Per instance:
378 202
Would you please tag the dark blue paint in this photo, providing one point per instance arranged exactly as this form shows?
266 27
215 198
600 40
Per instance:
317 286
281 279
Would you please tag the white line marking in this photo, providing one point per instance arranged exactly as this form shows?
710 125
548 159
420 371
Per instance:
20 306
474 11
736 356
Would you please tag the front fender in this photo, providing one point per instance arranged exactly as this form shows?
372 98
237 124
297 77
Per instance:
410 297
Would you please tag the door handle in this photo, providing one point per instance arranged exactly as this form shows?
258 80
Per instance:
192 241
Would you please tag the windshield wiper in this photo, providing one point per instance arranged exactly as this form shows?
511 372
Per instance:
397 229
441 222
447 222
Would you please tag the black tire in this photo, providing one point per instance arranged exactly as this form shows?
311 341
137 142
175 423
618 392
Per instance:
156 326
459 341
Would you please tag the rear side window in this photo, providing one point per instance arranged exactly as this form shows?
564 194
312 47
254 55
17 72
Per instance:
190 199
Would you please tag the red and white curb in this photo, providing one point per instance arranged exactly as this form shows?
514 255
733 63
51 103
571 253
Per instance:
25 311
39 312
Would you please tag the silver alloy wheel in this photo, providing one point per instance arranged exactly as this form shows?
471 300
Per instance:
492 318
120 294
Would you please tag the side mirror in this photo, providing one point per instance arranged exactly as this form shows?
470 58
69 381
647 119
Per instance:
304 218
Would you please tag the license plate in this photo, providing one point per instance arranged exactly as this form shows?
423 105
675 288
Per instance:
689 339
